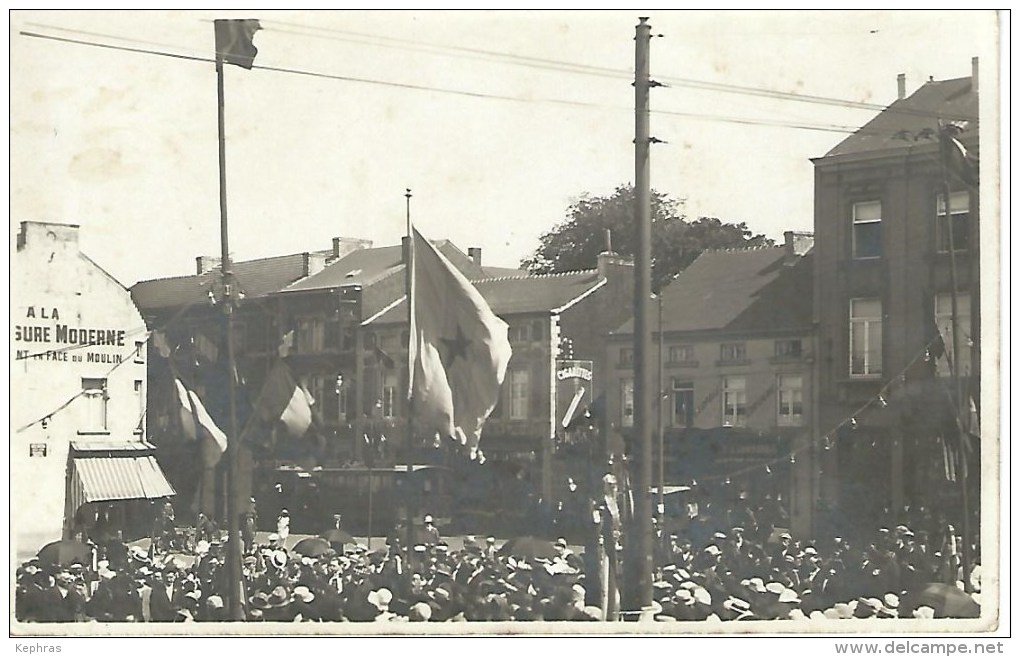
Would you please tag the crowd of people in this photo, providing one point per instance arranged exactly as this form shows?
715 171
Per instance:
733 574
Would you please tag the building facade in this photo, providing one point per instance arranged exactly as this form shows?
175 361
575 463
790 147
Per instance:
80 461
339 320
885 281
734 345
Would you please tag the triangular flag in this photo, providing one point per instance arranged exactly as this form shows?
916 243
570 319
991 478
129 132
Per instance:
198 425
458 351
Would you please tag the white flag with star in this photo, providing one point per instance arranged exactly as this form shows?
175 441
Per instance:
458 350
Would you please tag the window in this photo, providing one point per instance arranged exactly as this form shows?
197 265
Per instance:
627 403
732 351
322 390
867 229
790 349
140 407
791 400
681 354
389 394
390 342
959 213
944 322
734 401
865 337
139 352
683 404
317 334
94 399
311 333
520 333
626 357
519 381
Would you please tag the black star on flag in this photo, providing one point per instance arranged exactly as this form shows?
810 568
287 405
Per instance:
455 347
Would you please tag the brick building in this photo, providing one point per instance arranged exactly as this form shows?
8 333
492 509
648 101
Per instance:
883 282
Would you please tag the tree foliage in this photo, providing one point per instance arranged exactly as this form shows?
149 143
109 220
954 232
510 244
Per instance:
575 243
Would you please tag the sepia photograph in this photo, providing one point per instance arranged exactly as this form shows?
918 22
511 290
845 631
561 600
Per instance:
568 323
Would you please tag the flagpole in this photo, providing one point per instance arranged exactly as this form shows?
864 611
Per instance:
408 274
234 595
954 366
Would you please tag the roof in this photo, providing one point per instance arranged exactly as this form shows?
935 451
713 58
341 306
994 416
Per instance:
497 272
913 120
255 277
366 266
362 267
522 294
750 290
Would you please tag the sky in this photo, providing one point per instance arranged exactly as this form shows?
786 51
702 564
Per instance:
496 120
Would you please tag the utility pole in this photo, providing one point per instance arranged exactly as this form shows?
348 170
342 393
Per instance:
235 594
661 509
962 405
641 554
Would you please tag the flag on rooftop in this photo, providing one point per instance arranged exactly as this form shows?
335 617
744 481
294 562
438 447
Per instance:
458 350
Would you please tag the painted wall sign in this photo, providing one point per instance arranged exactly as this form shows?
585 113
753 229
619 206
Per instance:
65 334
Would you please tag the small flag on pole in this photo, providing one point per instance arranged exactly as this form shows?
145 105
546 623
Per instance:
234 41
458 350
283 400
198 425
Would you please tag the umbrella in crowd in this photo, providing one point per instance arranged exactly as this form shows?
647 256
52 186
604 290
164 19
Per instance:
529 547
338 538
948 601
64 553
312 547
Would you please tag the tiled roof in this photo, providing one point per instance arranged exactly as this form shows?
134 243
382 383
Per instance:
512 295
361 267
739 290
366 266
913 121
255 277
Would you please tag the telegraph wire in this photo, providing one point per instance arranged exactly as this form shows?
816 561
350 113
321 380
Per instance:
458 92
586 69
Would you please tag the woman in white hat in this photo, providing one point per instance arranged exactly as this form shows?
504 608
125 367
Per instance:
283 526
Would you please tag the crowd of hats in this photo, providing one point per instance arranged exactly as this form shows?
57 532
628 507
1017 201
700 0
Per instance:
735 574
429 583
740 575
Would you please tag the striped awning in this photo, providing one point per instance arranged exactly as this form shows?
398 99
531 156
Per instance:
100 479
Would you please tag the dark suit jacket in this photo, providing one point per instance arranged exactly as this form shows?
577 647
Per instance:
162 608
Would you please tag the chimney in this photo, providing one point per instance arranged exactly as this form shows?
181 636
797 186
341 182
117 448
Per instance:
974 74
313 263
609 240
345 245
901 86
207 263
475 253
43 233
797 243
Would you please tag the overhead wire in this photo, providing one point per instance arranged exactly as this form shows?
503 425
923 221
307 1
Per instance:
587 69
420 87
